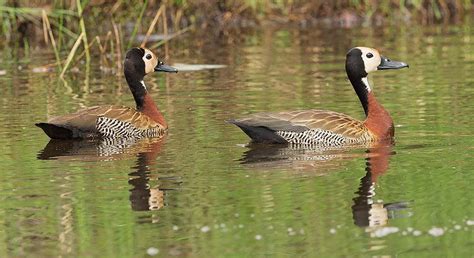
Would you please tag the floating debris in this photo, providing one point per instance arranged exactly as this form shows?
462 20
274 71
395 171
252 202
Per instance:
381 232
3 72
43 69
153 37
107 69
417 233
196 67
291 232
205 229
152 251
436 232
175 227
470 222
258 237
332 231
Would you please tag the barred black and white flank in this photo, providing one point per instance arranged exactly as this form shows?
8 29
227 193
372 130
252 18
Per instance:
108 127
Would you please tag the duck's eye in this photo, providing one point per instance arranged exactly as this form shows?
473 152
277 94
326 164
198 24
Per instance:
148 56
369 55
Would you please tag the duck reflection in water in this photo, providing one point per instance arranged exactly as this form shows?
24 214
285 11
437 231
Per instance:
298 158
320 161
367 212
146 150
142 196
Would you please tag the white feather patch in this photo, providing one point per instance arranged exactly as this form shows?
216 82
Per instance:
143 84
365 81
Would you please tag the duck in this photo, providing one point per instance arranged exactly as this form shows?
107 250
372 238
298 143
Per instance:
329 128
111 121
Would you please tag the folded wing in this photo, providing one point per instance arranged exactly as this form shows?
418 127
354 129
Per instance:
99 121
307 126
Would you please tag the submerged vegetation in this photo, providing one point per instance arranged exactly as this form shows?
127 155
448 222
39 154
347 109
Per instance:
72 27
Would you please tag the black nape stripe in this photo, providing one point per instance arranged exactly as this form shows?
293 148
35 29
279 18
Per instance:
355 70
134 70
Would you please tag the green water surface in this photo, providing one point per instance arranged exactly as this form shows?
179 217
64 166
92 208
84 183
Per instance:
200 192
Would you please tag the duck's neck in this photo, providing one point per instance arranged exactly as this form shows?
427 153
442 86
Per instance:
362 88
143 100
378 120
150 109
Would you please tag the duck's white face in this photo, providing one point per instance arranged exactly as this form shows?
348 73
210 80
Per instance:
150 60
371 58
360 61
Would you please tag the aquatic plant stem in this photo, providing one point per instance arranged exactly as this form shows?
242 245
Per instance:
152 26
118 48
47 25
103 49
34 11
172 36
71 54
79 57
137 25
83 31
165 30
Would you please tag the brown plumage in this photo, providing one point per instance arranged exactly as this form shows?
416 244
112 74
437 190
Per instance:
328 128
302 120
83 124
117 121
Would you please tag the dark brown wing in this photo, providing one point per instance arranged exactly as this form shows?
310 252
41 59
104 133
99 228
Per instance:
263 125
82 124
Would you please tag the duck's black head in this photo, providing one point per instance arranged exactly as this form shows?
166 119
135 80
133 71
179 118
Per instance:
138 63
360 61
141 61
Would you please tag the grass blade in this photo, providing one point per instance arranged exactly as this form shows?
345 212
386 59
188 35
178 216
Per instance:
71 54
152 25
137 24
83 31
47 25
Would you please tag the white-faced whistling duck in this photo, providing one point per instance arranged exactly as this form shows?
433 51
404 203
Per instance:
328 128
118 121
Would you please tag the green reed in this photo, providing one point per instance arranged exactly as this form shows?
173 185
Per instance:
137 24
64 21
